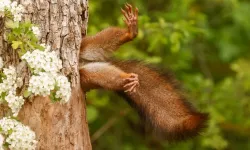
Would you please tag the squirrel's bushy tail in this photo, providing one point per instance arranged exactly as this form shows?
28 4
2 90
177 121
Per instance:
160 103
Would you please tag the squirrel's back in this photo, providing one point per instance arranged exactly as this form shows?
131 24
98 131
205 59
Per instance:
161 105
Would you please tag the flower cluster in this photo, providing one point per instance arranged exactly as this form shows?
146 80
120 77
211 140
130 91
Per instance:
4 4
14 102
17 135
45 66
64 89
36 31
41 84
8 80
43 61
15 9
8 88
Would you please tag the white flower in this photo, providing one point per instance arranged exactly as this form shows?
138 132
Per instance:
43 61
45 66
41 84
36 31
14 102
18 136
64 91
17 11
7 125
4 4
8 82
1 141
22 139
8 87
47 48
1 62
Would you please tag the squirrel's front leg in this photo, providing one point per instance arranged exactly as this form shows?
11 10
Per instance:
131 20
107 76
109 40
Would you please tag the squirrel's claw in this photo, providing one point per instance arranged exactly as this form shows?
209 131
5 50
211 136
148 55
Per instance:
132 83
130 15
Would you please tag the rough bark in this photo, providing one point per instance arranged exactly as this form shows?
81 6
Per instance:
57 126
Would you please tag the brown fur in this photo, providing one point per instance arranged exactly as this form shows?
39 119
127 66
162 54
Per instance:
157 99
160 104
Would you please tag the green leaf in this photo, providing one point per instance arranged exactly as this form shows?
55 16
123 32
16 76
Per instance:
31 46
11 37
16 44
92 113
39 47
6 145
26 93
175 47
53 98
11 24
154 43
3 95
10 131
2 77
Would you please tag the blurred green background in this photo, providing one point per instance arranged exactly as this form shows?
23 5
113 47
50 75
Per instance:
206 43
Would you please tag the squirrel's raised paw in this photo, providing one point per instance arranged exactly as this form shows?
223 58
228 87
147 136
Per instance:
132 82
131 19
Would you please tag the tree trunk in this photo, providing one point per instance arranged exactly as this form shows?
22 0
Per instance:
57 126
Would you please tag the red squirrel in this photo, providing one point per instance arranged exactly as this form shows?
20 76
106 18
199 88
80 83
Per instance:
155 97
